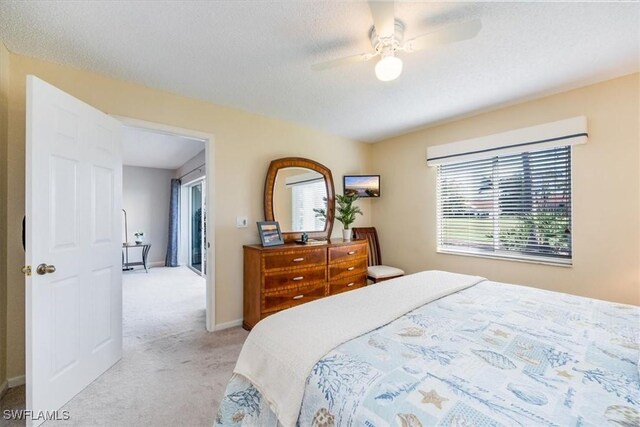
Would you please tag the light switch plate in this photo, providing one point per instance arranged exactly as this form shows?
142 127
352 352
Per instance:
241 222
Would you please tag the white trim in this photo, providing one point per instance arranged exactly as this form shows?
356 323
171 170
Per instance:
517 258
227 325
16 381
541 137
159 127
210 188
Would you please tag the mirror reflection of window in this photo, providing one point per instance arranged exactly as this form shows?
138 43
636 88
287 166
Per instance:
309 194
297 192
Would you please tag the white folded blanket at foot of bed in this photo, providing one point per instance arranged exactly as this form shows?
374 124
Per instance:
281 350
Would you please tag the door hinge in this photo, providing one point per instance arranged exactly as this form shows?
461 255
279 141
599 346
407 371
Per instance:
26 270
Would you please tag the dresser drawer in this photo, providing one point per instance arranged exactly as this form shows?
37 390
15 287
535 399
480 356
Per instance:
294 277
347 253
295 258
281 300
347 284
349 268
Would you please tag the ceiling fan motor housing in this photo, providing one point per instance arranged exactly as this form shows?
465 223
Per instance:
387 45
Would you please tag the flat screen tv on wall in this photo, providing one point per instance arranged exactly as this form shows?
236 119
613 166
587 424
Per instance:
362 185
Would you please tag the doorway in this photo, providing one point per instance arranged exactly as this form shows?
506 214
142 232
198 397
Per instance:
194 234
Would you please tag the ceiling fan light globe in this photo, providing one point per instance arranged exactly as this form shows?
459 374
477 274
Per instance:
388 68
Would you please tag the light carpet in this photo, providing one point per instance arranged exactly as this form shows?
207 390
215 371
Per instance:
173 372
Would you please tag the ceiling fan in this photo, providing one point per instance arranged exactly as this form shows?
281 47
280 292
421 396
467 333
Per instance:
387 39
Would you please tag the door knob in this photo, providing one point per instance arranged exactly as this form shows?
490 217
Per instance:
43 269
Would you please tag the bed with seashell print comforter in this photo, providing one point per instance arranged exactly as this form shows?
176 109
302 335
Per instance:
490 355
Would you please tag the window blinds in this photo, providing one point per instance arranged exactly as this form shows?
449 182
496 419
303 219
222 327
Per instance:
514 206
306 197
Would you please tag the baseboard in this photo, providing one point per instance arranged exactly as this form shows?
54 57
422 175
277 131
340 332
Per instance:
3 388
16 381
227 325
156 264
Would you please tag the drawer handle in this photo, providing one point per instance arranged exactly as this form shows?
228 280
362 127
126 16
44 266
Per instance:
351 284
350 268
351 252
298 278
298 296
298 259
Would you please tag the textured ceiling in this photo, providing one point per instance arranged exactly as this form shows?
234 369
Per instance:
142 147
257 55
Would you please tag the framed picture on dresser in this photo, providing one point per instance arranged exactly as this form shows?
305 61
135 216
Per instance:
270 234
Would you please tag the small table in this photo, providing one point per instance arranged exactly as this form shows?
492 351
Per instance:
128 266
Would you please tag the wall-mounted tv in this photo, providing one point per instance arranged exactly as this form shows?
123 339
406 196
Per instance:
362 185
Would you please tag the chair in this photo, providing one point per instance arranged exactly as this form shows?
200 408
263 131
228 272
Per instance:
375 272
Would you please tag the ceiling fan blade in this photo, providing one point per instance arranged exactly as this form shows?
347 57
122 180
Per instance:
450 34
353 59
383 13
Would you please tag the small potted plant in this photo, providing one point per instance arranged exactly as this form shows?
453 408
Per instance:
346 212
139 237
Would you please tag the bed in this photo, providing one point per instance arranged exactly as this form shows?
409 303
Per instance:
478 353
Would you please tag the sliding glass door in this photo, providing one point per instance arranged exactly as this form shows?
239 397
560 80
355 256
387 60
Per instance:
197 221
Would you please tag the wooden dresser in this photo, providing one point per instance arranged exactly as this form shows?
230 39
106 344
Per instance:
280 277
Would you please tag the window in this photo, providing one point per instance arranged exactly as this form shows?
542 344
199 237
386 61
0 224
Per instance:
305 198
511 206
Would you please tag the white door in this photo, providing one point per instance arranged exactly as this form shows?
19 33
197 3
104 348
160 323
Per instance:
73 202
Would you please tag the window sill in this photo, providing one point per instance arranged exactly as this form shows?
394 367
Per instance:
530 260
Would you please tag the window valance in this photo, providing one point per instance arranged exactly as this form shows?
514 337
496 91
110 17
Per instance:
549 135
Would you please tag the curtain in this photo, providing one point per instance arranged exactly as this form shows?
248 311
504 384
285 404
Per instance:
174 225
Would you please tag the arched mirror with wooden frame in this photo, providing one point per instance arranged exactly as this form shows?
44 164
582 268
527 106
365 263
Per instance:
294 188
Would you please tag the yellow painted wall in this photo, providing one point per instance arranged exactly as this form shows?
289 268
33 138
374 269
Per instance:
4 109
606 194
245 143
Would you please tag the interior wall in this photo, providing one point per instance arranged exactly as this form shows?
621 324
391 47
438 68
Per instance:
145 196
606 194
245 144
4 124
